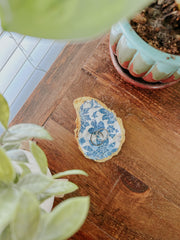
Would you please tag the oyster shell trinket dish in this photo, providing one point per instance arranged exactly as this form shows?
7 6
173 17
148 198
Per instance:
99 132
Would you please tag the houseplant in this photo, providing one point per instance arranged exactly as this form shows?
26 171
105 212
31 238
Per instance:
22 190
138 62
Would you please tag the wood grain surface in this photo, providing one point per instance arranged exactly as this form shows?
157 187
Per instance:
135 195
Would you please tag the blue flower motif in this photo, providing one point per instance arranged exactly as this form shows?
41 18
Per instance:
95 104
84 110
112 131
82 140
111 128
107 115
96 126
84 119
94 114
100 152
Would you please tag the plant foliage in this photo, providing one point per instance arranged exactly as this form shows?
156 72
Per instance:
22 191
65 19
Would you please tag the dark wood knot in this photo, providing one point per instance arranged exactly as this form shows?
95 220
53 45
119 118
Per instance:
132 183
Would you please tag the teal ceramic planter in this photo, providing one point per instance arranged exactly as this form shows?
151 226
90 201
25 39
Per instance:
140 63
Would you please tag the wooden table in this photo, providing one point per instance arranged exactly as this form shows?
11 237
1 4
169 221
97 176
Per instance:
135 195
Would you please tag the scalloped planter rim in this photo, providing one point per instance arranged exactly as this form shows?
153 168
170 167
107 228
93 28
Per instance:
149 67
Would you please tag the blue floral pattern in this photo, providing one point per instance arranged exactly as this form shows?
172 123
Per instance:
98 122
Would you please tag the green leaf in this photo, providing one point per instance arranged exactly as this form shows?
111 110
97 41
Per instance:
24 131
8 202
6 234
17 155
59 188
17 168
65 219
35 183
70 172
25 169
8 147
65 19
40 157
27 217
4 112
7 173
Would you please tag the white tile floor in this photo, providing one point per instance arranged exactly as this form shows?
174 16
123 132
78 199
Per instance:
24 61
